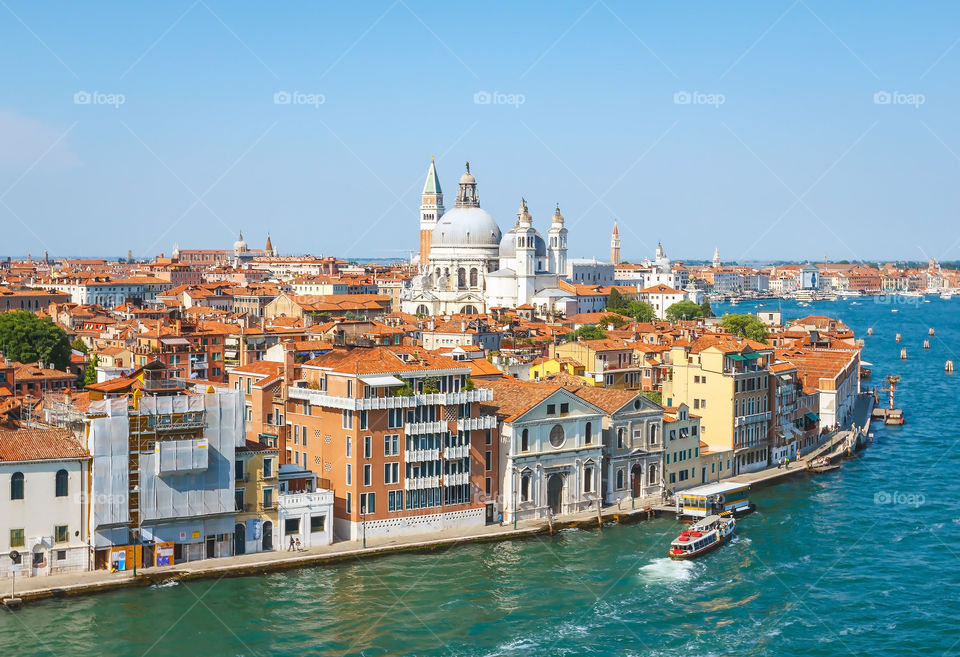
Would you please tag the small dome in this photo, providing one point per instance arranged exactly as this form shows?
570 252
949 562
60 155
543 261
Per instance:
468 226
240 246
467 177
508 245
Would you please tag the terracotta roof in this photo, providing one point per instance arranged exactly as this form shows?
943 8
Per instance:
259 368
513 398
40 445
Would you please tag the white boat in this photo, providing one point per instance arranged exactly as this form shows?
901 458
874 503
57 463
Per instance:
702 537
946 296
913 294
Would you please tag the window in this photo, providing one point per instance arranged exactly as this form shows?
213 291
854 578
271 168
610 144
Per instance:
291 526
391 444
61 555
488 440
317 524
525 488
16 486
267 468
696 403
394 418
395 500
588 433
61 534
620 438
391 473
16 538
349 446
348 502
557 436
368 502
564 408
61 483
551 409
363 419
347 419
488 485
620 478
296 435
367 474
349 475
303 435
588 479
488 460
525 440
349 388
367 446
653 434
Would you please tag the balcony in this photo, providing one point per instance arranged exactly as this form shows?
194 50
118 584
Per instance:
477 423
314 499
321 398
456 479
417 455
414 428
421 483
457 452
751 419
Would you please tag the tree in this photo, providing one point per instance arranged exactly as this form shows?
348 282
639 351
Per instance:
26 338
90 376
685 309
705 308
641 311
616 301
588 332
746 326
81 346
616 319
653 395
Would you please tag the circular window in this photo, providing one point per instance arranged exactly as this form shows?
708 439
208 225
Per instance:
636 404
556 435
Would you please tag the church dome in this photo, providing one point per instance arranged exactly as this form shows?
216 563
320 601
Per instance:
508 245
240 245
466 226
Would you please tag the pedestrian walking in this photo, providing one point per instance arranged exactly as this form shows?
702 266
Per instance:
500 519
298 544
786 464
290 547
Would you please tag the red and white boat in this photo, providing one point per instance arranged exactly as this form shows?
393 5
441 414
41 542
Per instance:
702 537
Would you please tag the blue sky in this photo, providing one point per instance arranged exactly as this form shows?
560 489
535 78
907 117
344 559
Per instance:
784 150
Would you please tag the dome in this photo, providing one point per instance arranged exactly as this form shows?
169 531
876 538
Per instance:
508 245
239 246
468 226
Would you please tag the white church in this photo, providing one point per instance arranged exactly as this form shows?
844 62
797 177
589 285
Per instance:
466 265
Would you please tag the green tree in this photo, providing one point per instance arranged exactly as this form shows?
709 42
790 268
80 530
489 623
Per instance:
80 345
705 308
90 376
616 319
746 326
685 309
616 301
26 338
588 332
653 395
641 311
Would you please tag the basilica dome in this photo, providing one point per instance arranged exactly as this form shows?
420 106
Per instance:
466 226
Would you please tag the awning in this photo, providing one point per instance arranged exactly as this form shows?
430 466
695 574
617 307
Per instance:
863 362
736 357
378 381
174 341
751 356
813 417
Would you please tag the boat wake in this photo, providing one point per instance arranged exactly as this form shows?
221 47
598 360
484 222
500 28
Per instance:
665 570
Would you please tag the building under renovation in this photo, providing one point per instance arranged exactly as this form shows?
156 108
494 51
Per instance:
163 477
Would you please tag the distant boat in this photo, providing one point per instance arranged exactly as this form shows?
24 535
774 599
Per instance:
894 310
946 296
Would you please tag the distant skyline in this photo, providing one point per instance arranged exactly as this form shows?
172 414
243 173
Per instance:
780 131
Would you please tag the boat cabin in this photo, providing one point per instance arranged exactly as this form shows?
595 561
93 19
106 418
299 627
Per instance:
712 499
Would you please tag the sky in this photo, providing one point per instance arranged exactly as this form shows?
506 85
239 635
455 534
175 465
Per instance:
782 129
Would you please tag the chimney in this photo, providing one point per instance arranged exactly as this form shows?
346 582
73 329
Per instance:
288 362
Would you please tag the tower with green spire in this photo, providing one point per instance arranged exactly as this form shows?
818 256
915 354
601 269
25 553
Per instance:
431 209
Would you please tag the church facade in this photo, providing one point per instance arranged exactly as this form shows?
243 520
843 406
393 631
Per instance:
467 265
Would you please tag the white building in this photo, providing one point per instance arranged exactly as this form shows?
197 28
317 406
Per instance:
466 265
661 297
304 513
590 271
43 480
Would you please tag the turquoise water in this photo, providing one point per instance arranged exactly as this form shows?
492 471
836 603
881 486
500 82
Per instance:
864 560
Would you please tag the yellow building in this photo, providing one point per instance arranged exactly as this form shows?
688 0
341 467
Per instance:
256 490
609 363
687 461
541 368
726 381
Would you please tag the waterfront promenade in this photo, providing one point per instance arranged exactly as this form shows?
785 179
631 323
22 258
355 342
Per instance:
628 510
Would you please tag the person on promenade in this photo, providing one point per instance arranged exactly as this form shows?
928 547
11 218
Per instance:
290 547
786 463
299 549
500 518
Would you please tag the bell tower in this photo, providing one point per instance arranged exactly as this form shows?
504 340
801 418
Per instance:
557 244
431 209
615 245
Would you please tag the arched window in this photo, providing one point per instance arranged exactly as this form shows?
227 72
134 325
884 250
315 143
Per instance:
620 432
469 310
16 486
474 277
556 435
61 483
423 310
525 440
461 277
525 488
653 434
588 433
620 478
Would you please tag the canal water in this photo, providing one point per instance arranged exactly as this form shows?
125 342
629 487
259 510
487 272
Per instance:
862 561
